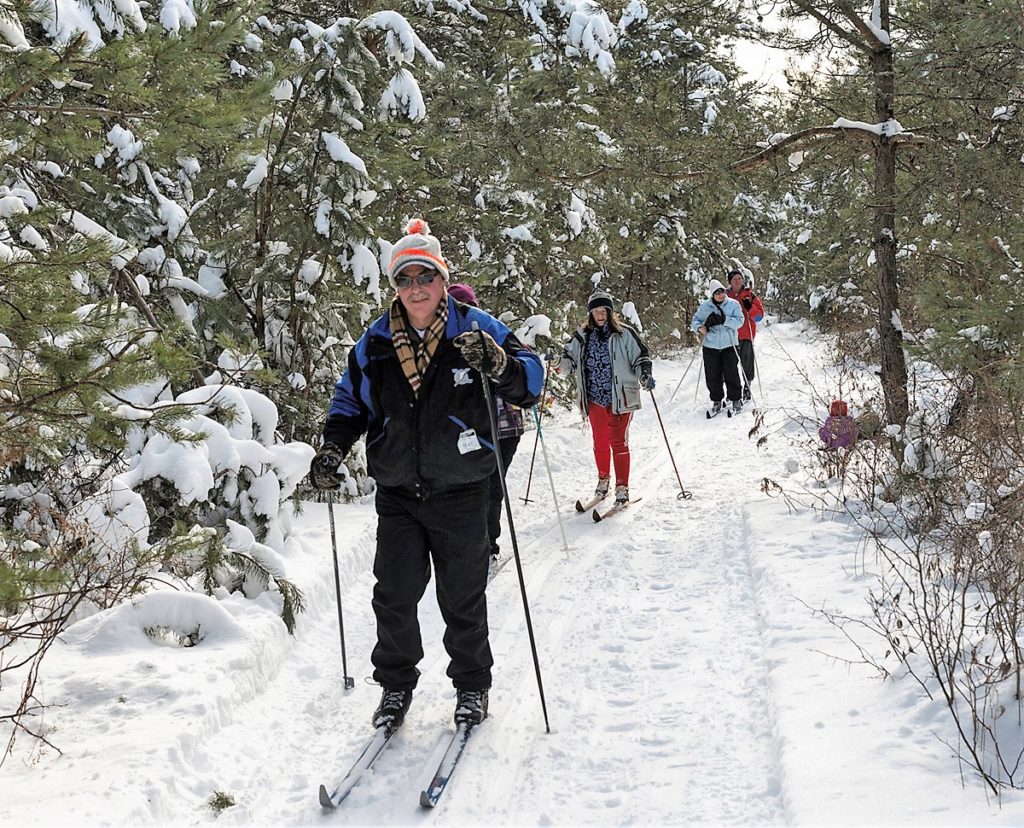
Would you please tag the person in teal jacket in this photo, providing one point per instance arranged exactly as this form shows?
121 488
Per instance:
717 321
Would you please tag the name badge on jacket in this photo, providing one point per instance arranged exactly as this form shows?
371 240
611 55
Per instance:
468 441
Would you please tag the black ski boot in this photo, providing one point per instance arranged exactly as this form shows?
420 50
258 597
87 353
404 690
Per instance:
470 707
394 704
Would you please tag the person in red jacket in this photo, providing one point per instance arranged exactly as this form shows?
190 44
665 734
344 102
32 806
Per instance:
753 312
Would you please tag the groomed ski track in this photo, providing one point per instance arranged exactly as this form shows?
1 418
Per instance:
649 640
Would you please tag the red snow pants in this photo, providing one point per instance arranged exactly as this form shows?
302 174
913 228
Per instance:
611 440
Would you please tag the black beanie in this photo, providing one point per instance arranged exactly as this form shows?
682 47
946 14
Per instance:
600 299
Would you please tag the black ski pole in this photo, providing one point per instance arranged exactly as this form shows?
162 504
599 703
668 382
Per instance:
349 681
683 494
757 374
742 372
489 397
533 457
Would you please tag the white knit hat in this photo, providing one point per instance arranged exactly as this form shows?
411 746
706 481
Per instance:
714 285
416 247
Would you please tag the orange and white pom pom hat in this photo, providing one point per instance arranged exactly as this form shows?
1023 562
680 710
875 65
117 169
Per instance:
416 247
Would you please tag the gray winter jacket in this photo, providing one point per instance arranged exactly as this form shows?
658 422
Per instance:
630 358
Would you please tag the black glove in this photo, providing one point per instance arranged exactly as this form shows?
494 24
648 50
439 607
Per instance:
647 382
747 302
323 471
713 319
481 352
550 355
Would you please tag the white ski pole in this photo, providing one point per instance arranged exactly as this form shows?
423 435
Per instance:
551 480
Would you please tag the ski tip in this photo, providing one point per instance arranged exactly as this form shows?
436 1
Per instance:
597 516
707 414
579 506
426 801
325 799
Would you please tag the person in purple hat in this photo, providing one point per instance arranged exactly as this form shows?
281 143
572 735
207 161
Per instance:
510 430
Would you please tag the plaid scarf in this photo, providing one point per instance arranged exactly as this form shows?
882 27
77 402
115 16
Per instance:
414 353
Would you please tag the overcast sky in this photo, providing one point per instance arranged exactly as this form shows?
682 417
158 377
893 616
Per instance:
761 64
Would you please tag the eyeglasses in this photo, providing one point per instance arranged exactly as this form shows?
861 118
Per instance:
720 290
425 278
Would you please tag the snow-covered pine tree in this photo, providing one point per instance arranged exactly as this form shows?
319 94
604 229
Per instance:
292 225
107 110
564 142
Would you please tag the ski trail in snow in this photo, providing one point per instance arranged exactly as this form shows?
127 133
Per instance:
652 656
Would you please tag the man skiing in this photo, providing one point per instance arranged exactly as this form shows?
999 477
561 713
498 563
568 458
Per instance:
413 387
753 312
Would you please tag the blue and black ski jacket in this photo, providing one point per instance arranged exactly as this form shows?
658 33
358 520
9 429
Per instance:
420 443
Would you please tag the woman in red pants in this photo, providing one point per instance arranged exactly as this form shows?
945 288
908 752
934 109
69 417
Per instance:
611 364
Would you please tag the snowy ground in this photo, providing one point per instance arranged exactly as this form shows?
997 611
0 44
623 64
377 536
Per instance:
688 679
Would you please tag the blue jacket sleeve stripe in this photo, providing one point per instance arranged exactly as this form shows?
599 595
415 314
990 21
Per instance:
533 368
348 401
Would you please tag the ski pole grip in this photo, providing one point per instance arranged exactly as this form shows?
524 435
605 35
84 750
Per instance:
476 327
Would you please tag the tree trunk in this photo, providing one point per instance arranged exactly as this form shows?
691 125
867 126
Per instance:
894 364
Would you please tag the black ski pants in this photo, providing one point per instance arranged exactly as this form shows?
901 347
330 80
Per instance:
722 366
507 446
747 359
448 527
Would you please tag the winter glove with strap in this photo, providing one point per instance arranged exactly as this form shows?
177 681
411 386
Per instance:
323 471
647 382
481 352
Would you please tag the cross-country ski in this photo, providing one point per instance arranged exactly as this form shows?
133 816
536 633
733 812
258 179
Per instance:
618 507
372 750
590 504
432 793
